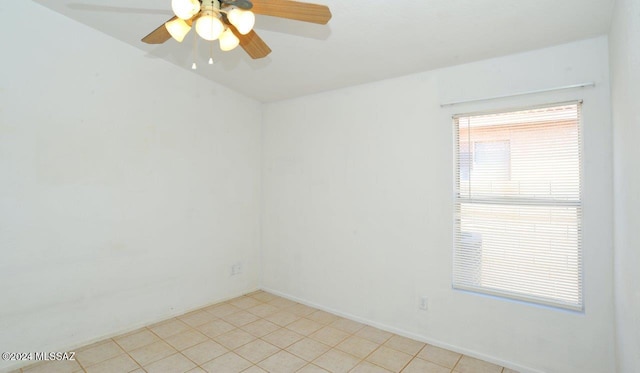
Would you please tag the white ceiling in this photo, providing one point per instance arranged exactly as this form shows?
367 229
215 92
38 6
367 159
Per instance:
366 40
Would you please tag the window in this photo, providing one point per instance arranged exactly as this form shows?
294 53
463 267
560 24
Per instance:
518 205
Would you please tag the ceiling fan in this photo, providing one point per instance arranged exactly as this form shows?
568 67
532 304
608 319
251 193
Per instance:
231 21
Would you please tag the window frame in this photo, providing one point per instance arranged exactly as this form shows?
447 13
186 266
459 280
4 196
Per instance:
457 200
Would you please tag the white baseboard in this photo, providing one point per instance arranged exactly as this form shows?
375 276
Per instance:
404 333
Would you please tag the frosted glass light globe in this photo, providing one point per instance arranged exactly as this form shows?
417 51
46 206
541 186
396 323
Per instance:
228 40
243 20
178 29
209 26
185 9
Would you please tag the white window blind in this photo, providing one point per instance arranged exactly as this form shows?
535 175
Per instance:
518 205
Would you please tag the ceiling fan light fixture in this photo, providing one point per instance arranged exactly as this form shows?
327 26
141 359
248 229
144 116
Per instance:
213 17
185 9
178 29
228 40
209 26
243 20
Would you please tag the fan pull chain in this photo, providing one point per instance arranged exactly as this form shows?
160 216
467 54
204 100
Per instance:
211 53
195 51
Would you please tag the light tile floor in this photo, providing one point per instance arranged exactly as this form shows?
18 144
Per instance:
261 332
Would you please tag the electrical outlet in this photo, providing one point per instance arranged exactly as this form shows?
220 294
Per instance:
236 269
424 303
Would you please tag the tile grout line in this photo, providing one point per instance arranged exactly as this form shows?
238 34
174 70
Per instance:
127 352
257 338
456 364
435 363
372 352
412 357
163 340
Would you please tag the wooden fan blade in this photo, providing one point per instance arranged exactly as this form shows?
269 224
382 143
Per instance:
289 9
159 35
252 44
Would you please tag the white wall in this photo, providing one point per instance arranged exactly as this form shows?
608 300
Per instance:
357 208
128 187
624 41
